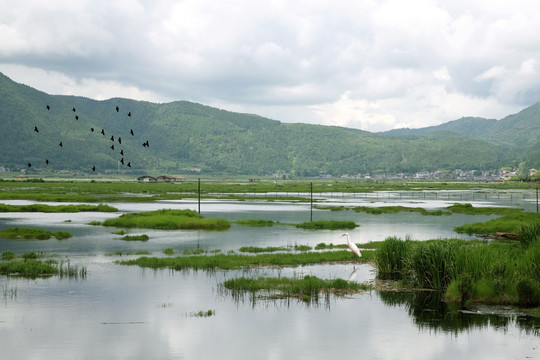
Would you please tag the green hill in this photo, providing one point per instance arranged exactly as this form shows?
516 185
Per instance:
183 135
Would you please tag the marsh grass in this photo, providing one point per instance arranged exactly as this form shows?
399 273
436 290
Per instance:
203 314
306 288
327 225
57 208
395 209
167 219
32 233
512 222
142 237
529 234
237 261
254 249
255 222
481 271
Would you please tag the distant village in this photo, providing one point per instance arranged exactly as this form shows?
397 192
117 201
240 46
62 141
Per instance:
456 175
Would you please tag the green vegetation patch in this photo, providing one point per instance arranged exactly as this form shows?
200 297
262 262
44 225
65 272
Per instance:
327 225
510 223
32 268
167 219
142 237
304 288
478 271
57 209
237 261
255 222
254 249
395 209
31 233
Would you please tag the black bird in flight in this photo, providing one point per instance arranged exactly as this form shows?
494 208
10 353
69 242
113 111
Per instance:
61 144
93 168
117 109
73 110
48 107
36 129
145 144
112 137
119 140
131 132
129 164
92 129
129 114
112 147
102 132
76 117
47 161
29 164
122 152
122 161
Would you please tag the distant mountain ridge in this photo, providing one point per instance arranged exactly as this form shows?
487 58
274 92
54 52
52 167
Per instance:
184 135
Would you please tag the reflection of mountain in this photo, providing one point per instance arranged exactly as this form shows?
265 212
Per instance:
430 313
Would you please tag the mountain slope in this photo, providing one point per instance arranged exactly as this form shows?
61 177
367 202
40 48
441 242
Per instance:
187 135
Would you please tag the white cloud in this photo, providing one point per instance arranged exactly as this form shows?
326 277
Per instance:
367 64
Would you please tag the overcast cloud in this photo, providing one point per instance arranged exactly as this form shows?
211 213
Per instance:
372 65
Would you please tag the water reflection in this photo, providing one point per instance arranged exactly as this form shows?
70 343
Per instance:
430 313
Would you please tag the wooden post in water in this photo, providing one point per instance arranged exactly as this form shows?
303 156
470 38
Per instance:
199 192
537 199
311 208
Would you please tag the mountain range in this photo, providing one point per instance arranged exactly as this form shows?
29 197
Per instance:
183 136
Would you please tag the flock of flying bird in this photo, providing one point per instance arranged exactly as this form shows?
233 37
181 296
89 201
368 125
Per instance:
119 139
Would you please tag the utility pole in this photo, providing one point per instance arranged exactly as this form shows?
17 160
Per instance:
199 192
311 208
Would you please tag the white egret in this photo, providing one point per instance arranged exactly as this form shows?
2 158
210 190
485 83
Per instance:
352 246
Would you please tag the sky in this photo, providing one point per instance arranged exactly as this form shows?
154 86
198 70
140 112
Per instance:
371 65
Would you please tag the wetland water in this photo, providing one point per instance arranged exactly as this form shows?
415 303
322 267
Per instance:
128 312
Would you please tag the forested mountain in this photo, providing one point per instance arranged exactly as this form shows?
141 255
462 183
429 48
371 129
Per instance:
521 130
184 135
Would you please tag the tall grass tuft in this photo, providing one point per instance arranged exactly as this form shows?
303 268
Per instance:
529 234
391 257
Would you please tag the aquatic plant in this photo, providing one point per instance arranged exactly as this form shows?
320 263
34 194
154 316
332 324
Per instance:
529 233
254 249
203 314
327 225
390 259
57 208
254 222
167 219
142 237
236 261
304 288
32 233
512 222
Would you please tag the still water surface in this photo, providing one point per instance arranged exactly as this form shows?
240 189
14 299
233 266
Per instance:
133 313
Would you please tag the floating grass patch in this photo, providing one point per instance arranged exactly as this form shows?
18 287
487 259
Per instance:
254 249
142 237
32 233
203 314
168 251
198 251
57 208
327 225
305 288
167 219
32 268
237 261
254 222
512 223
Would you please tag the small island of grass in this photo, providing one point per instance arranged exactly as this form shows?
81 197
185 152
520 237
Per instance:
32 233
166 219
327 225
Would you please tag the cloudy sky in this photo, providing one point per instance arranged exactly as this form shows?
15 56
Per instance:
372 65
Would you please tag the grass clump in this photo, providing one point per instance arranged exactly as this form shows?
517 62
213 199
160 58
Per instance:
477 271
238 261
255 222
306 288
203 314
167 219
57 208
142 237
254 249
327 225
32 233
